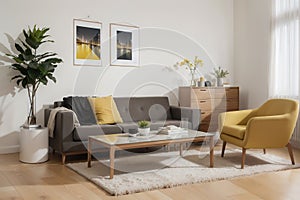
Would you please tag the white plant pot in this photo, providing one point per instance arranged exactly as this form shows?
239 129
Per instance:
144 131
33 145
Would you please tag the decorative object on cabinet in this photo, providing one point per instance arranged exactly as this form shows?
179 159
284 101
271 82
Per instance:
220 74
207 84
192 66
211 101
124 45
87 43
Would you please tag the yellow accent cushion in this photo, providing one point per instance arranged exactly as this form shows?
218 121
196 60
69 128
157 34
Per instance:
106 110
237 131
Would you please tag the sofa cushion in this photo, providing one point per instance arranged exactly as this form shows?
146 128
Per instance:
106 110
134 109
237 131
82 133
82 107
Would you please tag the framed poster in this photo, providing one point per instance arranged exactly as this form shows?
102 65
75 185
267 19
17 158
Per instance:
124 45
87 43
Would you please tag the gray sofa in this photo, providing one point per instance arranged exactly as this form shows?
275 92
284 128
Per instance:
71 140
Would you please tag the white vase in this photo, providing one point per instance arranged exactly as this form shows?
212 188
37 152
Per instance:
193 81
219 82
144 131
33 145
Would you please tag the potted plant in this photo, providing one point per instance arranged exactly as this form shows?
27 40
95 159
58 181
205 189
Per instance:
33 68
144 127
220 74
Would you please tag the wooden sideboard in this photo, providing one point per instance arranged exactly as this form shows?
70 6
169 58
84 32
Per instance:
212 101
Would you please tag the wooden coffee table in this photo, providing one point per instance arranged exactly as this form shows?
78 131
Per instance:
124 141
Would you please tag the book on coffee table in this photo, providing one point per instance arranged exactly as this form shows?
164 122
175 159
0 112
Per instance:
168 130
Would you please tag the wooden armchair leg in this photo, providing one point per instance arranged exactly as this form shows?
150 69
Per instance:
243 158
290 149
264 151
223 148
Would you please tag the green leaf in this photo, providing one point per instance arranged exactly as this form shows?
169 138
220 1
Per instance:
28 55
32 42
33 65
45 55
25 45
25 34
44 81
18 76
19 48
24 82
33 74
52 77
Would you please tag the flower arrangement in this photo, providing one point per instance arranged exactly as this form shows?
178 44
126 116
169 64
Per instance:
192 66
220 73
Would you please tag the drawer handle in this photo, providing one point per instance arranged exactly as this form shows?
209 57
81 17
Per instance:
203 90
202 101
203 113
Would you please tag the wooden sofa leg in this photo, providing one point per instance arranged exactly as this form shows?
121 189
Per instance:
223 148
243 158
264 151
290 149
63 158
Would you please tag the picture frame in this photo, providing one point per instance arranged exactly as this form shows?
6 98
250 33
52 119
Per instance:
87 42
124 45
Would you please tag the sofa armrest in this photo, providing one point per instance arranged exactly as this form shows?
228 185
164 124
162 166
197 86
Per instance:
192 114
63 131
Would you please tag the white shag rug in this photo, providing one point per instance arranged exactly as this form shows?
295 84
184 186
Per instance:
146 172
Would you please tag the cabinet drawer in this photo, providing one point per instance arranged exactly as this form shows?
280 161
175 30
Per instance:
199 94
202 104
214 93
232 93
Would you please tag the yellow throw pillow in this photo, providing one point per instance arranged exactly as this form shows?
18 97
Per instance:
116 114
106 110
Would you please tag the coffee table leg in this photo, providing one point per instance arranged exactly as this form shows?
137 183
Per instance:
180 149
89 152
112 161
211 152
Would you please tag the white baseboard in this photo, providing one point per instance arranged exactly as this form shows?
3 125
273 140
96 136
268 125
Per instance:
9 149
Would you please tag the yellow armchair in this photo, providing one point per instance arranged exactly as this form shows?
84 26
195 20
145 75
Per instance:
269 126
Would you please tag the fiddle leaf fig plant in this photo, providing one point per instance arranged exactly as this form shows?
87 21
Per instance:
33 68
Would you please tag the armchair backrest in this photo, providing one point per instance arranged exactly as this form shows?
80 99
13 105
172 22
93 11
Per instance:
276 107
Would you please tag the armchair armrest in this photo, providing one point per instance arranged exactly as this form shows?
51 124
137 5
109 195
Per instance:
233 117
268 131
192 114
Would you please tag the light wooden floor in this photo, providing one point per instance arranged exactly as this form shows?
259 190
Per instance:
51 180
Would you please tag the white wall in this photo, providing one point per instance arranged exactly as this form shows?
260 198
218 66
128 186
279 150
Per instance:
176 28
252 30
